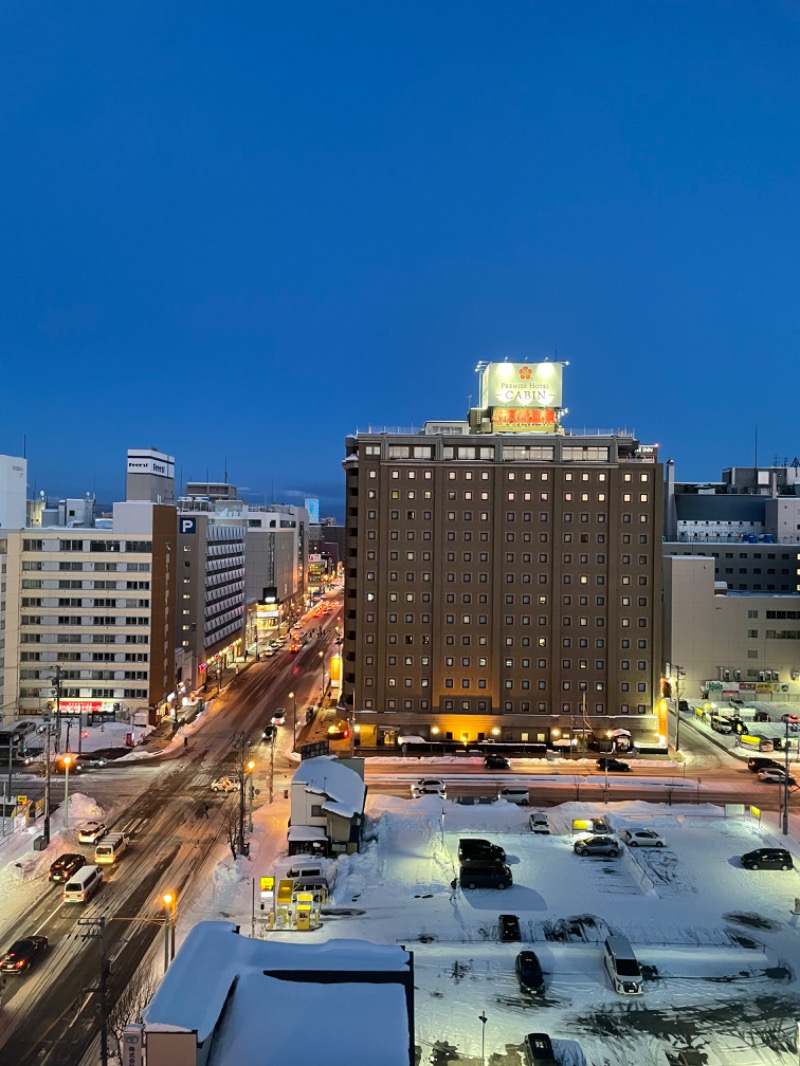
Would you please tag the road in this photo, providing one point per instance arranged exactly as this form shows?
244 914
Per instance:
51 1015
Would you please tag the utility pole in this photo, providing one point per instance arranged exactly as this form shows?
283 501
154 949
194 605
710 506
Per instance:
46 823
272 764
96 930
240 745
785 826
57 692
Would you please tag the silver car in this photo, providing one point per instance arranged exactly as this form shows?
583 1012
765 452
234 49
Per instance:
642 838
597 846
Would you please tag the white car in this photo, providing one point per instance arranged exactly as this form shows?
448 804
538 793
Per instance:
775 776
429 786
642 838
279 716
226 784
92 832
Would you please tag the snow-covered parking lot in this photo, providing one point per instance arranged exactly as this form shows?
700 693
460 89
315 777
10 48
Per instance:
718 945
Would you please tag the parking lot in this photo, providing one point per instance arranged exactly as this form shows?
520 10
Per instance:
718 945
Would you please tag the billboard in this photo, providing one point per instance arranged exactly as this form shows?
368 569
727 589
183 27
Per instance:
312 506
513 385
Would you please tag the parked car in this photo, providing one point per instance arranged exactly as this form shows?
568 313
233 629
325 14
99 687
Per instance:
65 866
515 794
497 762
762 716
613 766
508 928
529 973
92 832
485 875
642 838
538 822
767 859
683 705
279 716
483 850
226 784
538 1049
267 653
429 786
597 846
23 954
600 825
775 775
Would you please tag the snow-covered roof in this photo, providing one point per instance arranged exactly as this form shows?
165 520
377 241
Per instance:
307 832
215 962
342 787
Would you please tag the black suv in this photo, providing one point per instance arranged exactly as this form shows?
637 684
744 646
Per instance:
755 764
476 850
65 866
768 859
509 928
497 762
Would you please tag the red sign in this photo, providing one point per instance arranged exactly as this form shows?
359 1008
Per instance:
81 706
523 416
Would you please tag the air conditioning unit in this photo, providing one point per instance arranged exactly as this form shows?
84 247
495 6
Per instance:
737 674
726 675
795 675
760 675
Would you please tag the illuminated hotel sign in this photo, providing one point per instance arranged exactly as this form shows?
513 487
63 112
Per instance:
513 385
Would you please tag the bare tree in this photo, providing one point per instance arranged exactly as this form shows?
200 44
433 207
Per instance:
130 1003
230 825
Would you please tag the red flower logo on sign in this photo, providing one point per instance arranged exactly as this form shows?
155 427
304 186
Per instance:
525 372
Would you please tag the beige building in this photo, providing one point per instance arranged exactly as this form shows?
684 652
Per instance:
95 607
749 641
502 575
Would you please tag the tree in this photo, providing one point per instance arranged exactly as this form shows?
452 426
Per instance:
130 1003
230 825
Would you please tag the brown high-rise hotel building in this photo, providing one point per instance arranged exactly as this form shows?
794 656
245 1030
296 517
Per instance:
503 574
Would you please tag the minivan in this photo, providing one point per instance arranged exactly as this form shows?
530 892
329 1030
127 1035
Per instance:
622 966
480 850
307 869
767 859
485 875
111 848
515 794
83 884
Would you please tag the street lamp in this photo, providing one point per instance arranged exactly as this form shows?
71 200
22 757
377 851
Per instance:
322 662
170 908
250 768
293 698
482 1018
679 673
67 763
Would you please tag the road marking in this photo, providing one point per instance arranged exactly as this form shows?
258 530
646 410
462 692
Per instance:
48 918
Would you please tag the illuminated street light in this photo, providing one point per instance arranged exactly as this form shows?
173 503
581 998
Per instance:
170 901
67 763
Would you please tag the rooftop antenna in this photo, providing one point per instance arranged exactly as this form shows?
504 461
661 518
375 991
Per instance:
225 478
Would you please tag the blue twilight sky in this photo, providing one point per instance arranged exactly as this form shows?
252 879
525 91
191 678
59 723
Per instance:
241 231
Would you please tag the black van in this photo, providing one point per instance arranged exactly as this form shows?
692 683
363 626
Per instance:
485 875
767 859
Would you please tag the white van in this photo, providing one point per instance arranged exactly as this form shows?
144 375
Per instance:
622 966
308 869
515 794
83 884
111 848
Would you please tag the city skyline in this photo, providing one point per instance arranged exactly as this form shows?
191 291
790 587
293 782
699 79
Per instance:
245 229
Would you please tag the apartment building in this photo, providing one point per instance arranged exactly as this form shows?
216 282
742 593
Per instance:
502 574
211 582
95 606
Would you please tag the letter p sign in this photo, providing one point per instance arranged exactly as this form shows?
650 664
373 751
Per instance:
188 525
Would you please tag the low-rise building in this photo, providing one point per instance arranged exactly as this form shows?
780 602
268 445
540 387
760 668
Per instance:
328 794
